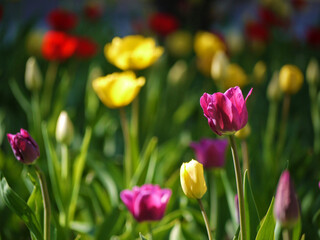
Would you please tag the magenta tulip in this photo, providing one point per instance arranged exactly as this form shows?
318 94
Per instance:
286 206
226 112
210 152
25 149
146 203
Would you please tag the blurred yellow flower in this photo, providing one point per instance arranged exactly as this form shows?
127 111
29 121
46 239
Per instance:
312 72
290 78
118 89
259 72
244 132
206 44
235 76
34 43
274 92
192 179
132 52
219 66
179 43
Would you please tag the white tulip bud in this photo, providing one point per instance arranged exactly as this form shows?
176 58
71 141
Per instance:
33 77
64 129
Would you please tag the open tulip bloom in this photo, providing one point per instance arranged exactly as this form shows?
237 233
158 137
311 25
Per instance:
226 112
146 203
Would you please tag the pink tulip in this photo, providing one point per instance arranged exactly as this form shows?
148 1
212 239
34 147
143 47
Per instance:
286 206
226 112
210 152
146 203
25 149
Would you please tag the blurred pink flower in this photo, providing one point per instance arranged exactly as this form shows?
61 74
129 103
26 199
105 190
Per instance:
286 206
146 203
25 149
210 152
226 112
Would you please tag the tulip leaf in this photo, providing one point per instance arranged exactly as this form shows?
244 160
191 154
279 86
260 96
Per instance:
267 225
176 232
237 235
142 237
251 212
78 167
35 199
20 207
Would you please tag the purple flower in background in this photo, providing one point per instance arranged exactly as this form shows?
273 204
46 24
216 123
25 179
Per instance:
210 152
286 206
25 149
146 203
226 112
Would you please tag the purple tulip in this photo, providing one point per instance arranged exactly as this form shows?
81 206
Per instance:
25 149
146 203
226 112
210 152
286 206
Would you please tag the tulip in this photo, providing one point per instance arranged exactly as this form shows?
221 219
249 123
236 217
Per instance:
192 179
286 206
64 129
34 42
163 23
219 66
312 73
146 203
179 43
86 48
133 52
235 76
291 79
63 20
118 89
206 44
226 112
210 152
25 149
259 72
33 77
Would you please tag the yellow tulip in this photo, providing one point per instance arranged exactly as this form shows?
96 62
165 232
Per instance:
192 179
290 78
206 44
259 72
118 89
312 72
219 66
235 76
132 52
179 43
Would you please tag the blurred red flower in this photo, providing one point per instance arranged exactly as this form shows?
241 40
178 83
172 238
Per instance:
270 18
58 46
256 31
163 23
93 11
86 48
1 12
313 36
62 20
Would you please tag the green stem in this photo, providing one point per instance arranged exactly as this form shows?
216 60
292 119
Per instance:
135 132
36 115
214 206
283 126
315 117
46 202
287 234
205 218
245 156
150 231
237 170
48 87
64 162
127 145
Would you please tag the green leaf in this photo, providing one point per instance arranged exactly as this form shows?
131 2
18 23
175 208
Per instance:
142 237
237 235
176 232
77 172
20 207
251 212
35 199
267 225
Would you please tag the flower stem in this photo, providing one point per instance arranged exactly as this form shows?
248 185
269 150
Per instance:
315 117
245 156
135 132
205 218
46 202
150 231
237 170
64 162
127 145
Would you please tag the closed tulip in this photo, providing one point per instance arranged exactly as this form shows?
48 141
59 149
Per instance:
291 79
206 44
118 89
33 77
24 147
211 153
313 73
132 52
64 129
192 179
226 112
146 203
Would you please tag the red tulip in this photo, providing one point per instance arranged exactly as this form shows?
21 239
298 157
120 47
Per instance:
163 23
62 20
93 11
313 36
86 48
257 31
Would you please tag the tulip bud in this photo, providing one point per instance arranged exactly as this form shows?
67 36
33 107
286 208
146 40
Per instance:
243 133
25 149
64 129
273 91
312 74
177 72
259 72
33 77
290 78
219 66
192 179
286 206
